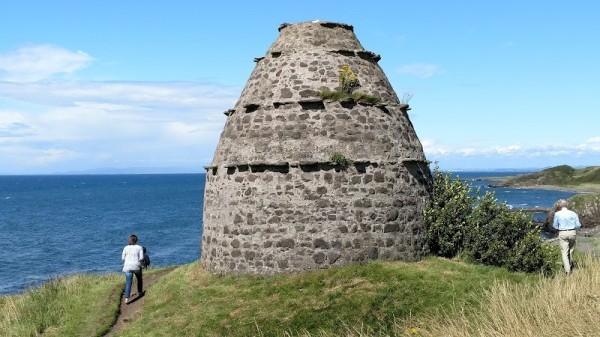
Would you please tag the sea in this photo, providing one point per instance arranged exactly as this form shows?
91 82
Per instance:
57 225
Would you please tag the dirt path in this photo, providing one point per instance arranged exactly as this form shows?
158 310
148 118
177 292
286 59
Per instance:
131 311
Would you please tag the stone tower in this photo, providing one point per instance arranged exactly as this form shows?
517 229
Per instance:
276 201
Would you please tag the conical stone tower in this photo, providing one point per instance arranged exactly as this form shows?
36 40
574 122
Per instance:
299 182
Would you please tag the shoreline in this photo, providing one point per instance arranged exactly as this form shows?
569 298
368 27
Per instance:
498 182
580 190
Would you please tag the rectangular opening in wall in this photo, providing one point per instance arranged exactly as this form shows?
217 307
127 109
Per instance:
312 105
277 105
272 168
310 167
251 107
361 167
345 52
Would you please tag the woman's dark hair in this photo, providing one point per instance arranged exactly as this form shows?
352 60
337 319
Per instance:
132 239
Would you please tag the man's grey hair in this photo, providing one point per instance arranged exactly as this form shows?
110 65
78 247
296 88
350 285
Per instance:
562 203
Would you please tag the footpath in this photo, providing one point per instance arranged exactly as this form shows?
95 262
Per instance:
132 311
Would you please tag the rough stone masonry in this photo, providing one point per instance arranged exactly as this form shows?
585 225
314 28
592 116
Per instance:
274 199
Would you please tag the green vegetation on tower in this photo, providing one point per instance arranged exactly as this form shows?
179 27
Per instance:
348 83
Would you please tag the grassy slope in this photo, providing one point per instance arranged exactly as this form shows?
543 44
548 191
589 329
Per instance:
588 200
79 305
378 298
562 176
433 297
552 307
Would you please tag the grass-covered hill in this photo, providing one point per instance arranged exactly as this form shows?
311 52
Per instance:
432 297
587 179
583 180
376 299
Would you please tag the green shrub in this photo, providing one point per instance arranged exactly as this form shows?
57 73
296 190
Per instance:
531 255
499 237
446 217
348 81
492 232
338 158
483 230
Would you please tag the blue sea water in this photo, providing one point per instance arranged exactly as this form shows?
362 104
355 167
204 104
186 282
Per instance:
61 224
514 197
56 225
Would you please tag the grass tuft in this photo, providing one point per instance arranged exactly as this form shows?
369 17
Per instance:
548 307
77 305
357 96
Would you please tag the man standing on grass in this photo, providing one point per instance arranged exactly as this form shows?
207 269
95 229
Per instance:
566 222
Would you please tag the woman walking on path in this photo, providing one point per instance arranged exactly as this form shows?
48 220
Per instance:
132 256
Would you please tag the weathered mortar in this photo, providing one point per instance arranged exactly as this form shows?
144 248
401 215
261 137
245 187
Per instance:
275 203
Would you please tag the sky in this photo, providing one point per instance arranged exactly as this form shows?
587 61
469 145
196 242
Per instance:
110 86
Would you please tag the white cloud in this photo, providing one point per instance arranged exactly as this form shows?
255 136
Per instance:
141 95
13 125
50 156
468 152
54 126
49 124
506 150
430 147
38 62
592 144
590 147
422 70
513 155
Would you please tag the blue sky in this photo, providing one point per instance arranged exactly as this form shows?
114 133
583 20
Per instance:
87 85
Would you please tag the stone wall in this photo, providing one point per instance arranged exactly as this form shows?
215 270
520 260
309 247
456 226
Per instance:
274 201
314 130
307 216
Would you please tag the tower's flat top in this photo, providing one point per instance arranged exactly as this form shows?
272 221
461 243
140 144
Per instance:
315 34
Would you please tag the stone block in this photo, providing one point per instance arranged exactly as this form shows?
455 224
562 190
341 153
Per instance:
286 243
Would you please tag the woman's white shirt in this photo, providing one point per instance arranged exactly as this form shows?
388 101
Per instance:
132 256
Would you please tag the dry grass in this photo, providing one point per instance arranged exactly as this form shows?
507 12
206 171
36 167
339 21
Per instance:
559 306
76 305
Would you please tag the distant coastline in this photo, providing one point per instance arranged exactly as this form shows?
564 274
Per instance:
499 182
561 178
